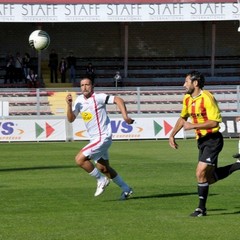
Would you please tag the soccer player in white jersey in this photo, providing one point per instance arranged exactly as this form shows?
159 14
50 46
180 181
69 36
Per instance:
92 107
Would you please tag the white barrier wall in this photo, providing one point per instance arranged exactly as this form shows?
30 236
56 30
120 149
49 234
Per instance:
142 128
61 130
32 130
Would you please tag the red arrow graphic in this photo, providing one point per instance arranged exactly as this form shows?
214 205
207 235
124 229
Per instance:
49 130
167 127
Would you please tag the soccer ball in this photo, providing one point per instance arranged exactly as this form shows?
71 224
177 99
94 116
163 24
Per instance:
39 40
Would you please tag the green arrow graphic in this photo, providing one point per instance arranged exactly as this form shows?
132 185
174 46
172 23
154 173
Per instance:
38 130
157 128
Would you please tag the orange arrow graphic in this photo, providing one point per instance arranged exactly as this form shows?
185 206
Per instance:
20 131
80 133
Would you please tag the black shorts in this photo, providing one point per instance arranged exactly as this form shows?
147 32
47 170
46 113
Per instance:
209 148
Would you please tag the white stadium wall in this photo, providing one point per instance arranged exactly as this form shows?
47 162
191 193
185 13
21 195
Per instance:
45 129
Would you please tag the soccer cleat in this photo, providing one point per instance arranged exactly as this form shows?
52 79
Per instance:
101 185
237 155
198 213
126 195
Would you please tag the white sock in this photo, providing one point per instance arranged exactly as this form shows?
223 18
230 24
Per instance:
95 173
119 181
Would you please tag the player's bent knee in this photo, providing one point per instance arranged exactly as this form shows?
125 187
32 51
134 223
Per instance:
79 161
201 176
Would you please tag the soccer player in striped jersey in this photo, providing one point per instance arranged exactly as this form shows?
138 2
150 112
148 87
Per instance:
92 107
201 106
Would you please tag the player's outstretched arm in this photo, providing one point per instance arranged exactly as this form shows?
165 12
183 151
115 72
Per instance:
122 107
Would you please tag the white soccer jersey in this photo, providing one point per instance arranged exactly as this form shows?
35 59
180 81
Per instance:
94 114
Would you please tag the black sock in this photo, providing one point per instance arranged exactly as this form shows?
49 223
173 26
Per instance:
235 167
203 194
225 171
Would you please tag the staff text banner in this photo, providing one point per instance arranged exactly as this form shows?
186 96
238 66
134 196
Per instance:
119 12
112 1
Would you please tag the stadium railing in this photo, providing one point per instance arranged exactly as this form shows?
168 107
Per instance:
139 100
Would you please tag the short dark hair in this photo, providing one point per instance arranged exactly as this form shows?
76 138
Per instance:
86 77
197 76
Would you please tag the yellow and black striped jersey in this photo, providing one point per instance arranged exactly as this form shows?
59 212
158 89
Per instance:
201 108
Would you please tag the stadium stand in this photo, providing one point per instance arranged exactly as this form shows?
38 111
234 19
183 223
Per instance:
168 101
162 71
159 74
23 102
138 100
154 71
34 65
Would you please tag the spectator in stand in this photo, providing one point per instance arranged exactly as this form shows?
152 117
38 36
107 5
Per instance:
117 79
10 69
32 79
53 65
63 69
18 68
90 72
26 66
71 63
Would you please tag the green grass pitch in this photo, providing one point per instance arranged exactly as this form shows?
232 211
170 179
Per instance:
45 196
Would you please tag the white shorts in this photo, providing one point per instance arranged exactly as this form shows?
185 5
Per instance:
97 149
